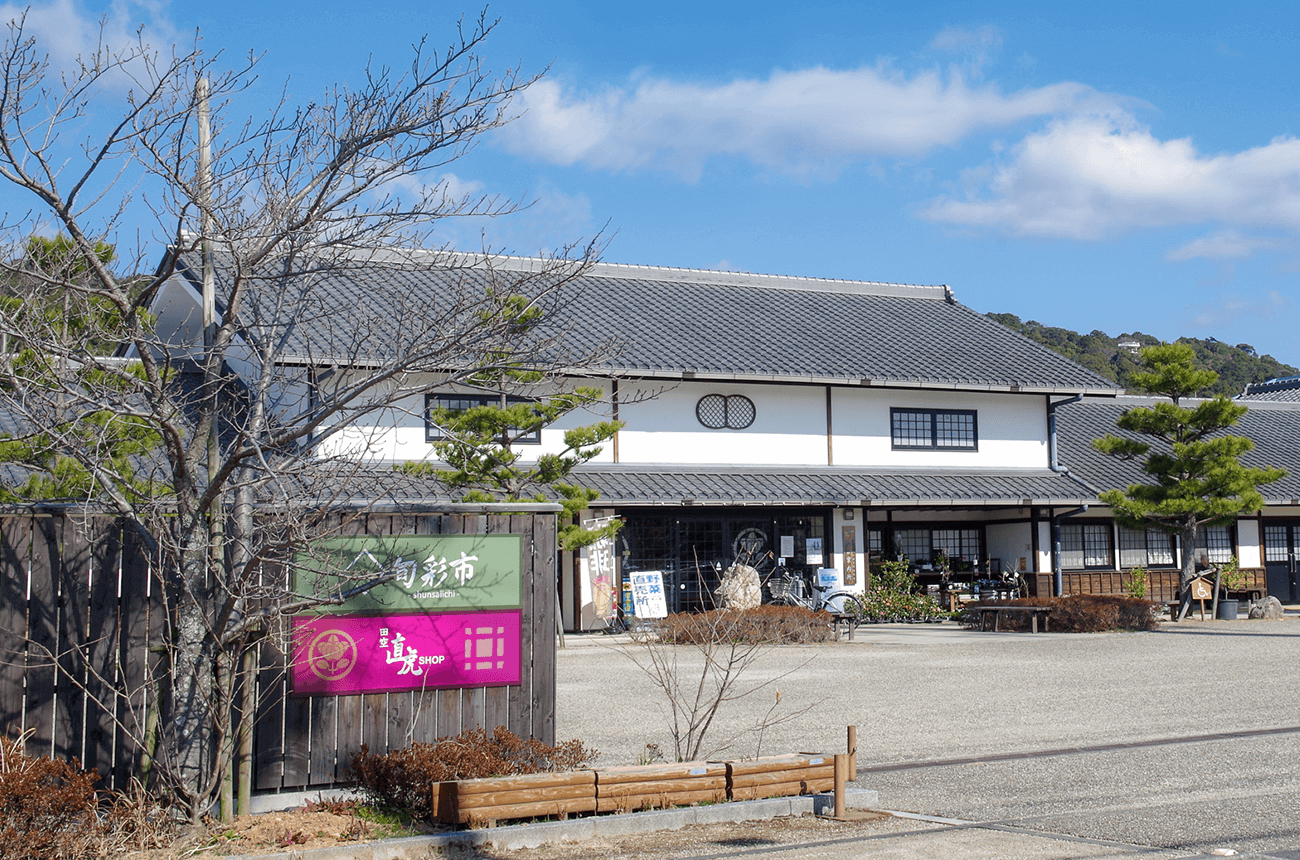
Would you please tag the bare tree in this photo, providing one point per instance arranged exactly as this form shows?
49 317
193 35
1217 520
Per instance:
703 665
209 436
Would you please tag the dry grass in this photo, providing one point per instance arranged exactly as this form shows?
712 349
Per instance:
765 625
1080 613
50 810
404 779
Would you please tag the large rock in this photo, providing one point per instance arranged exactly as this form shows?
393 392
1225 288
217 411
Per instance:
1270 608
740 588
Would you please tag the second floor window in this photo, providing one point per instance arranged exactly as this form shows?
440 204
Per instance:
462 403
934 428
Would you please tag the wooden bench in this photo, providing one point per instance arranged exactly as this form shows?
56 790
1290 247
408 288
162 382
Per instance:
996 612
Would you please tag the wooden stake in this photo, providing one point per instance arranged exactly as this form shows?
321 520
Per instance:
841 772
853 753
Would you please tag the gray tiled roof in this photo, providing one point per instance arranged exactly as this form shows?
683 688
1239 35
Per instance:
722 325
1282 390
1274 428
673 485
641 485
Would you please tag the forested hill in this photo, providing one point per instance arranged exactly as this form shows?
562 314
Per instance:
1099 352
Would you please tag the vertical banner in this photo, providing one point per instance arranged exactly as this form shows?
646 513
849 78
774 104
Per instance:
849 538
599 558
345 655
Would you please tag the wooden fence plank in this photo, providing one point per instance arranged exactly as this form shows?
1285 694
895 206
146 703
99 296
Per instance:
103 631
15 557
544 644
268 731
400 729
297 741
520 697
41 620
324 741
134 658
72 584
349 734
449 719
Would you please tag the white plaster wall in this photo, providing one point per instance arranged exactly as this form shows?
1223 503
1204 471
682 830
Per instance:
789 426
396 432
1249 551
1044 547
1009 543
1011 428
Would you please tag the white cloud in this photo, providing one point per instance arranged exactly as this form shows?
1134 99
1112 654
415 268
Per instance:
66 30
1093 175
1224 245
809 122
1234 306
976 45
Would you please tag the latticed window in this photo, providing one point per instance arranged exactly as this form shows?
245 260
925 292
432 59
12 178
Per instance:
1275 543
733 412
462 403
933 428
1217 541
1085 545
1150 548
963 544
913 545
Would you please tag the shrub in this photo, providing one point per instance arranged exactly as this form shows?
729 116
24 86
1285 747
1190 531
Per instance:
879 606
1080 613
893 597
1137 584
769 624
404 779
47 806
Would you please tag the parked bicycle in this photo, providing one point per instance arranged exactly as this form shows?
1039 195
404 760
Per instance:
792 589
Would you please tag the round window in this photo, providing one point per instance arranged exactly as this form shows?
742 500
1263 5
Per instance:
717 412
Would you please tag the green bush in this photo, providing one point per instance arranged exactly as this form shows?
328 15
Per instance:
893 597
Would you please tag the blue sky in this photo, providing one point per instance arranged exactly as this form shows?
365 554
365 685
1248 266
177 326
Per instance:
1096 166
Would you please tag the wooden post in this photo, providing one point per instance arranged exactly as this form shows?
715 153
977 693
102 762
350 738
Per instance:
853 753
841 772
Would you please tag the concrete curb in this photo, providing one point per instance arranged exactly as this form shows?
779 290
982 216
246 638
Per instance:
517 836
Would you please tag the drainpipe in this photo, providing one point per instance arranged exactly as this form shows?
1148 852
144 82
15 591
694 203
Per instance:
1057 584
1051 428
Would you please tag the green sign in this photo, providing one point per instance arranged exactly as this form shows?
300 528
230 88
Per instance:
433 572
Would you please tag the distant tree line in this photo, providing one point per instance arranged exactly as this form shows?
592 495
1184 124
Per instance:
1237 366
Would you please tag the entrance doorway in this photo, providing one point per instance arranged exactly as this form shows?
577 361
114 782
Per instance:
1281 545
693 550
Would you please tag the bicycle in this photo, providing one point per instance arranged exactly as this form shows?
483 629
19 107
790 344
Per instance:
788 589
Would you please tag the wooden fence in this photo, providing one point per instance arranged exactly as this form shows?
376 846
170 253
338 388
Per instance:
82 590
1162 585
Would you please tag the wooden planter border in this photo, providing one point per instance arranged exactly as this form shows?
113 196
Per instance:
626 789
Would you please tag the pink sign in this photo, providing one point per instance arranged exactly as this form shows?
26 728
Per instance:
347 654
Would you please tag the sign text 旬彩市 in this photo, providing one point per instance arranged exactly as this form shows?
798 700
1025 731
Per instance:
430 572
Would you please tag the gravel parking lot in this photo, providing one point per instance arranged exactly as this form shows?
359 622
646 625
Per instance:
923 695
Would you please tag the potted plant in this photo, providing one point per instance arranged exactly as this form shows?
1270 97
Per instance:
1231 579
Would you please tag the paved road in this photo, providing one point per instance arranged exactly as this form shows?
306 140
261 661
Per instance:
923 696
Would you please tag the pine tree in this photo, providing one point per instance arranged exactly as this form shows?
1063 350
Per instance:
1197 477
